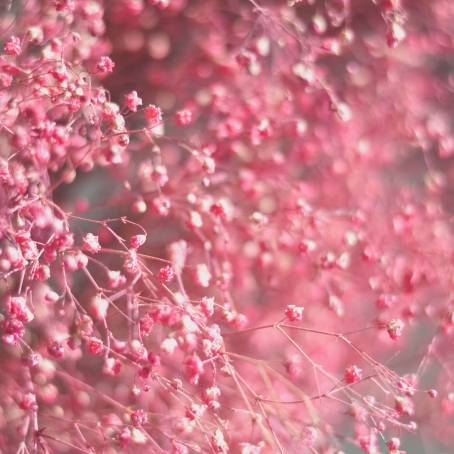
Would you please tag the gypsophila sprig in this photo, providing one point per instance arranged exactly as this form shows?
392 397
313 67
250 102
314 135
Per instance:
226 226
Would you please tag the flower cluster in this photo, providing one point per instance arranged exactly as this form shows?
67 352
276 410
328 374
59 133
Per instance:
226 226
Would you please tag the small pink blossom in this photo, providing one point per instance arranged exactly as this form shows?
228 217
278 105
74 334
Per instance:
395 329
137 240
133 101
184 117
13 46
294 313
105 65
166 274
91 243
153 115
353 374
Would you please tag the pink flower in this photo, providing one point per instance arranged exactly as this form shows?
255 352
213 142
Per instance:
166 274
139 417
353 374
133 101
308 158
294 313
95 346
13 46
137 240
184 117
153 115
91 243
395 329
105 65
